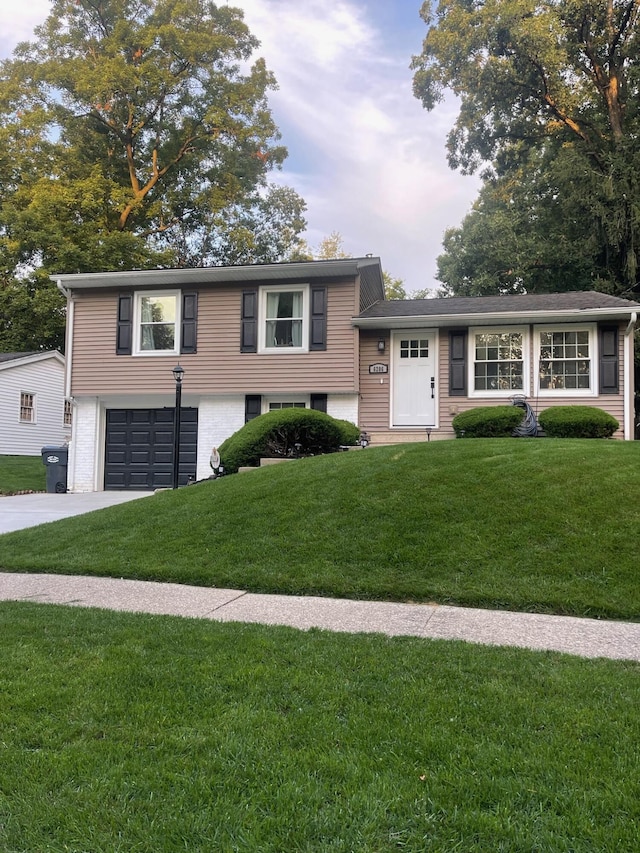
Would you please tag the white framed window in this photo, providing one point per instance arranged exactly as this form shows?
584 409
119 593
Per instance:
284 324
67 417
565 360
27 408
157 323
499 362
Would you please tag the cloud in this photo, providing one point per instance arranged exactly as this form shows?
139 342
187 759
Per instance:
17 22
367 158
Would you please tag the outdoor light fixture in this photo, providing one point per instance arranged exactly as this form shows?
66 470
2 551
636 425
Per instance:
428 433
364 439
178 375
381 345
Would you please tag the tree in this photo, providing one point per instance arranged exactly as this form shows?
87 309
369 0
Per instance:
135 134
550 98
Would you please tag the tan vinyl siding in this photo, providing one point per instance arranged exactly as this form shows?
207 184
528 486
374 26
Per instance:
218 366
374 395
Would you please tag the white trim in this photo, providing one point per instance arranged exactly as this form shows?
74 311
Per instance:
550 393
262 318
31 359
628 379
493 318
500 393
137 323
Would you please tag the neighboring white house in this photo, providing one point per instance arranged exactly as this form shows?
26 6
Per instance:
33 412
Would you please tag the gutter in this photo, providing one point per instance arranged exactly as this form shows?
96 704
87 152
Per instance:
484 319
68 348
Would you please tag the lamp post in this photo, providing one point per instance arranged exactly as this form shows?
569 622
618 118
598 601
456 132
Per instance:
178 374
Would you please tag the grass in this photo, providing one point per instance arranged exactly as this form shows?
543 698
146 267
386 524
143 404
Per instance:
21 473
538 525
126 732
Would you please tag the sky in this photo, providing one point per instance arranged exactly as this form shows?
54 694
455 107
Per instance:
369 161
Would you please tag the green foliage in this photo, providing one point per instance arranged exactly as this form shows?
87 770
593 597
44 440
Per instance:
276 434
487 422
577 422
350 432
32 315
136 134
549 98
393 287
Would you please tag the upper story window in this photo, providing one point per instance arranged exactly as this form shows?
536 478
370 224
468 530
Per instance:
157 323
499 362
284 324
27 408
67 418
565 359
157 319
284 319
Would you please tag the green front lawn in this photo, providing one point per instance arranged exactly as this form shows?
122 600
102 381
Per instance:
21 474
124 732
542 525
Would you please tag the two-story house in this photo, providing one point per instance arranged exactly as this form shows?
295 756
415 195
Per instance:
319 334
250 339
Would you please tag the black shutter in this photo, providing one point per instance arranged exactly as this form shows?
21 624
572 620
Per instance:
252 407
458 363
319 402
124 334
608 360
318 337
249 321
188 341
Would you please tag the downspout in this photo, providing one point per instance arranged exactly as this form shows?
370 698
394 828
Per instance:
68 347
629 397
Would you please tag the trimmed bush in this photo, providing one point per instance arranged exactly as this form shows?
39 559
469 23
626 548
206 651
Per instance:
577 422
276 434
487 422
350 432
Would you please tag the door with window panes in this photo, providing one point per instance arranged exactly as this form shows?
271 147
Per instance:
414 379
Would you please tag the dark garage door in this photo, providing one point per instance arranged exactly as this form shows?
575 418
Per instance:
139 448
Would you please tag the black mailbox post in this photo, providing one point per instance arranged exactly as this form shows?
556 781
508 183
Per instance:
55 459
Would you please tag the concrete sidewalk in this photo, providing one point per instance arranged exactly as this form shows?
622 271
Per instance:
585 637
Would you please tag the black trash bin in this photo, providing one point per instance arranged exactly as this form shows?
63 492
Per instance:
55 459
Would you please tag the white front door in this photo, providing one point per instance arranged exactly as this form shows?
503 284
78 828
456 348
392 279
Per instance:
414 378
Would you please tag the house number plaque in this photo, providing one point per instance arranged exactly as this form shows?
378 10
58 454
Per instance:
378 368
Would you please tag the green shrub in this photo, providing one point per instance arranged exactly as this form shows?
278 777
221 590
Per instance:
577 422
350 432
276 434
487 422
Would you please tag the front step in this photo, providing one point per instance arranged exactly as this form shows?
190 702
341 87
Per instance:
379 438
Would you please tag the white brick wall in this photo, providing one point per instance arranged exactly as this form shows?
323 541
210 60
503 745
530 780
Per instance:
343 406
85 447
218 418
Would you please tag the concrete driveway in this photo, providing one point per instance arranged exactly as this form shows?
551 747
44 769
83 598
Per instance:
20 511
